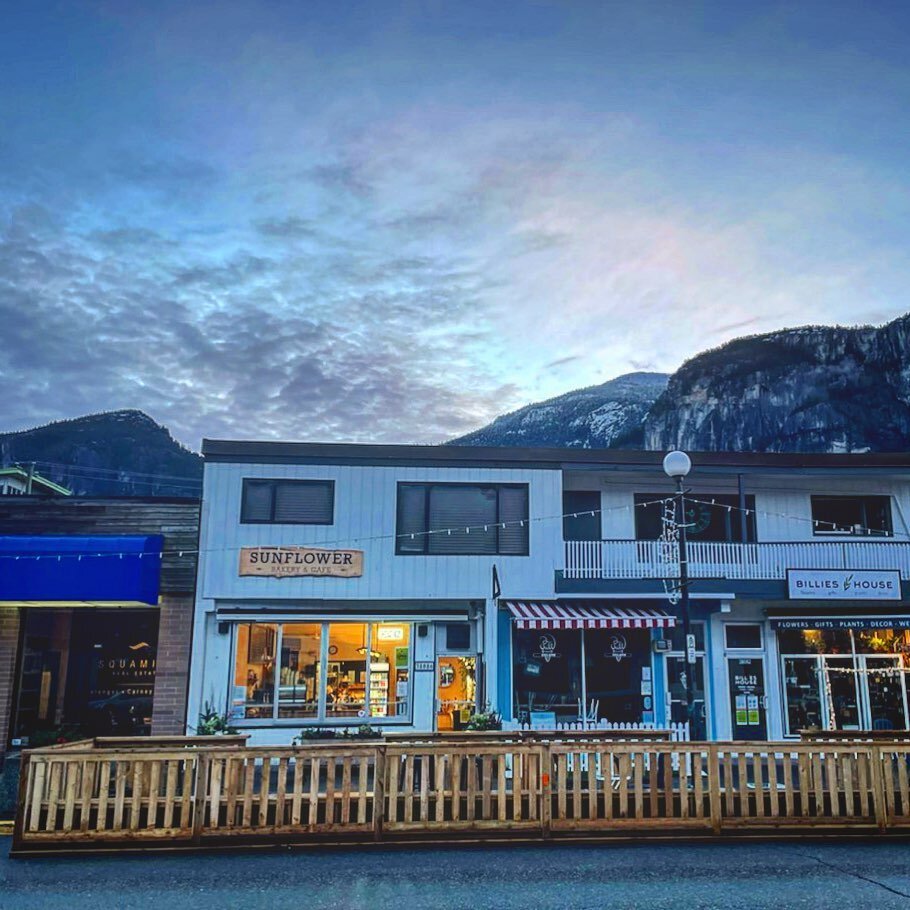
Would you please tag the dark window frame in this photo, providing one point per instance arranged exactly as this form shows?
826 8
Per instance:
273 482
705 500
425 537
863 498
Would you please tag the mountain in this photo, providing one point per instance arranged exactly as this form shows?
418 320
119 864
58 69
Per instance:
811 389
121 453
600 416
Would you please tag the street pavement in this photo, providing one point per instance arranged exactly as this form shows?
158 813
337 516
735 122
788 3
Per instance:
654 875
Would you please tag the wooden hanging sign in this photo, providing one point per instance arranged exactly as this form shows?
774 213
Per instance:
290 562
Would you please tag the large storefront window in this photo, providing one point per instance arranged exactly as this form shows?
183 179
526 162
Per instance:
591 673
340 671
298 685
85 669
845 679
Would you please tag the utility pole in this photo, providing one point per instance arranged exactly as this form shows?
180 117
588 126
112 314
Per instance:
677 466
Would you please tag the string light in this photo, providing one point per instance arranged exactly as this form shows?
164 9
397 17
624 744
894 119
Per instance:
671 500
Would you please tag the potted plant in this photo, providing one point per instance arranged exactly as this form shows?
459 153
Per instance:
346 734
484 721
214 723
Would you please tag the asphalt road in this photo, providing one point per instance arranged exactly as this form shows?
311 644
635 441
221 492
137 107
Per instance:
563 877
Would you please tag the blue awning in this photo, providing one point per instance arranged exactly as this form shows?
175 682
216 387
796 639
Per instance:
73 568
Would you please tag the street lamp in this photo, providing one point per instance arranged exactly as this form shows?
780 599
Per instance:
677 466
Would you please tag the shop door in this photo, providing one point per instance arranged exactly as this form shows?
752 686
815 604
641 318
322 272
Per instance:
456 691
748 703
886 692
676 690
844 701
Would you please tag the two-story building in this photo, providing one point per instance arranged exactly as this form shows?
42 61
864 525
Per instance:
401 586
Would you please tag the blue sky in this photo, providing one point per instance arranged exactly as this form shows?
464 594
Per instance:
393 221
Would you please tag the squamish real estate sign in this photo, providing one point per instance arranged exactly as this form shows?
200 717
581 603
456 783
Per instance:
286 562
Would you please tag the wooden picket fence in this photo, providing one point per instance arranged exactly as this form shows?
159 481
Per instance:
100 794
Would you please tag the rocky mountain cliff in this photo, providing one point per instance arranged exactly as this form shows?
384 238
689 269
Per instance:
119 453
812 389
597 417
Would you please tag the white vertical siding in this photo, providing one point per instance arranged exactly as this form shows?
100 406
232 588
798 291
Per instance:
365 514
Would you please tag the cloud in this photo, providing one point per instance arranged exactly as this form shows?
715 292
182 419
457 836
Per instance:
561 362
364 230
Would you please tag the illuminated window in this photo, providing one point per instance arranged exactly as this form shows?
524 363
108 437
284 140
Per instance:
341 671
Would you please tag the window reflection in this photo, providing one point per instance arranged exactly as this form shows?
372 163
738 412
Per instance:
298 688
389 670
254 674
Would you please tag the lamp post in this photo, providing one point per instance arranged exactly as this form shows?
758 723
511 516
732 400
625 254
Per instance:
677 466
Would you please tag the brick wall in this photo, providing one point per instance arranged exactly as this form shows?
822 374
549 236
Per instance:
174 633
9 643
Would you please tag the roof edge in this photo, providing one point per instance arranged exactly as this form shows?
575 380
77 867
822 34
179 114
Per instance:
263 452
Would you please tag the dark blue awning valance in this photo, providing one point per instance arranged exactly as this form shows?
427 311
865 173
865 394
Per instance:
74 568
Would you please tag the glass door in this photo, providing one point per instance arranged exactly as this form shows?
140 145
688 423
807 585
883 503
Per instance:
456 691
843 704
886 692
748 703
676 689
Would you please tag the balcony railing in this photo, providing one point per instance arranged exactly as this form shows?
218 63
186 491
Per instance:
709 559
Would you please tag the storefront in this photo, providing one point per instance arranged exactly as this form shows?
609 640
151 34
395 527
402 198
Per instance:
843 672
94 627
588 660
387 666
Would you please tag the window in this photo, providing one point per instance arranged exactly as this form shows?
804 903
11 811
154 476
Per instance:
562 672
340 671
581 509
462 519
851 515
742 635
458 636
298 682
709 516
297 502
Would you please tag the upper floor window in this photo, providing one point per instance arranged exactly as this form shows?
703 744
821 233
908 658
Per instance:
709 516
581 515
290 502
462 519
852 515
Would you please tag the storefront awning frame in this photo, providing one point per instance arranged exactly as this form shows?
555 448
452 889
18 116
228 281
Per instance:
585 614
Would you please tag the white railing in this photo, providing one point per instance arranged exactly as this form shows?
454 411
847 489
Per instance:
708 559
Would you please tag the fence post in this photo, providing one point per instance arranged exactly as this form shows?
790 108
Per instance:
879 802
546 805
201 795
379 772
23 804
714 787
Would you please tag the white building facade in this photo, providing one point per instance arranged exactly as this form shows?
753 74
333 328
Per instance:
405 586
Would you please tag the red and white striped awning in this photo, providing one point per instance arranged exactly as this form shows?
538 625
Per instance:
585 614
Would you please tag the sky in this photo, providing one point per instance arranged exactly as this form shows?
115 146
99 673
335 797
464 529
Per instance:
392 221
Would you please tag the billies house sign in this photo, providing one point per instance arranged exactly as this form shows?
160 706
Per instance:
286 562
